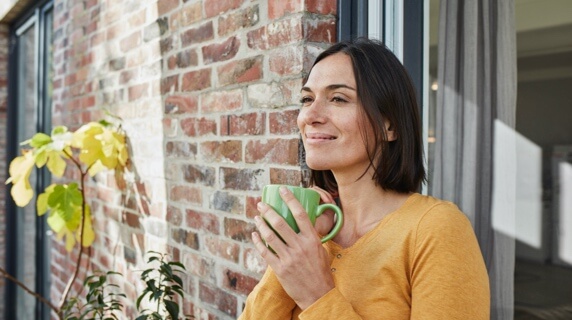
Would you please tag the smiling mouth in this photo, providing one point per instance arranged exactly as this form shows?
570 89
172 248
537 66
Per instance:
320 137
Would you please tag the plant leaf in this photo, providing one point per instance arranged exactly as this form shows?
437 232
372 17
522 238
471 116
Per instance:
172 309
20 170
42 200
40 139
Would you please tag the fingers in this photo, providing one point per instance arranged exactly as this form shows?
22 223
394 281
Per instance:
273 228
300 215
264 252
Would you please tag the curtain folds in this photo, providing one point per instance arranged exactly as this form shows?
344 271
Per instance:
477 90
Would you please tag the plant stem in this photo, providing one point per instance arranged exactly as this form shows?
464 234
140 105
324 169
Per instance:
23 286
80 254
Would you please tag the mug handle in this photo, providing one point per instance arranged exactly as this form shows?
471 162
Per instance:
339 219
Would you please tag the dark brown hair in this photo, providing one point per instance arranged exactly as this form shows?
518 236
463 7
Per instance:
386 93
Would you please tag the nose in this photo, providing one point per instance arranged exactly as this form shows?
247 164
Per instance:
313 113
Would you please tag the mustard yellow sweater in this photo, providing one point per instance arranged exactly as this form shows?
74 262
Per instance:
420 262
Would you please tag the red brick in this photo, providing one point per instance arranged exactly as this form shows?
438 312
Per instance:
186 194
321 6
202 221
186 237
200 34
285 176
193 127
284 122
238 282
244 124
241 179
250 209
240 71
257 39
189 14
181 104
218 298
320 31
225 249
244 18
238 230
222 151
131 219
216 7
278 151
200 266
221 51
278 8
187 58
196 80
221 101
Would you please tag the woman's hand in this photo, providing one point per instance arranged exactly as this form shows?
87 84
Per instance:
301 263
325 222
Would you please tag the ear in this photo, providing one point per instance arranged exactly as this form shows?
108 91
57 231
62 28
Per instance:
389 131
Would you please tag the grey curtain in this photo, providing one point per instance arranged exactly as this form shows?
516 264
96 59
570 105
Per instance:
477 86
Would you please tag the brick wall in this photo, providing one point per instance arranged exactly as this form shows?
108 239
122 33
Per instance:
3 166
208 94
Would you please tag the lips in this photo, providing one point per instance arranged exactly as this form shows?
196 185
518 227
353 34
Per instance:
320 136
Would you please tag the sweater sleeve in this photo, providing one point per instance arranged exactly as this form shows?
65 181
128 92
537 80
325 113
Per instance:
333 305
268 300
448 279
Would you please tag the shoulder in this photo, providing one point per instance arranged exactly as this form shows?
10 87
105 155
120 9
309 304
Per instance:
433 213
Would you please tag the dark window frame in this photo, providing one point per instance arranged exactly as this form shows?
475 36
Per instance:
34 17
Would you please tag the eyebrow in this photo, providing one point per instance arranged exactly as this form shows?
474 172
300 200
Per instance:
330 87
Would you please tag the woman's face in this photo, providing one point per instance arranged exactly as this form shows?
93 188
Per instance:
330 121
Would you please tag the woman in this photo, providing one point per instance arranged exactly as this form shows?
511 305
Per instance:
399 254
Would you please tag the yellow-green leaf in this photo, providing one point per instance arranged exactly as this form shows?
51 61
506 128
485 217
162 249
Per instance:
42 201
56 164
40 139
70 240
20 170
57 224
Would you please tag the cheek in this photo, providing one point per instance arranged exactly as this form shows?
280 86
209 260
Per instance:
300 121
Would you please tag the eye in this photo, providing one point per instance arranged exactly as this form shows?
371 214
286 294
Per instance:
306 100
338 99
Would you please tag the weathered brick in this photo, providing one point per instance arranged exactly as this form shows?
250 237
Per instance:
278 151
174 216
198 265
199 34
169 84
244 124
186 194
181 149
287 61
187 58
221 248
284 122
284 32
218 298
196 80
244 18
222 151
257 39
240 71
216 7
285 176
238 282
165 6
221 101
181 104
224 201
238 230
156 29
253 262
186 237
199 174
138 91
279 8
266 95
241 179
221 51
194 127
202 221
131 219
320 30
321 6
187 15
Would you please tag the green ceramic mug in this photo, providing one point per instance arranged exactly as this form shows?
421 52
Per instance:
310 200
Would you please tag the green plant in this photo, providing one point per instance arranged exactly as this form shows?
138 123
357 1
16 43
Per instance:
94 147
101 300
162 286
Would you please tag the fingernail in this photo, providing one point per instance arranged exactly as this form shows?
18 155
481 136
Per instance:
260 206
257 219
283 190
